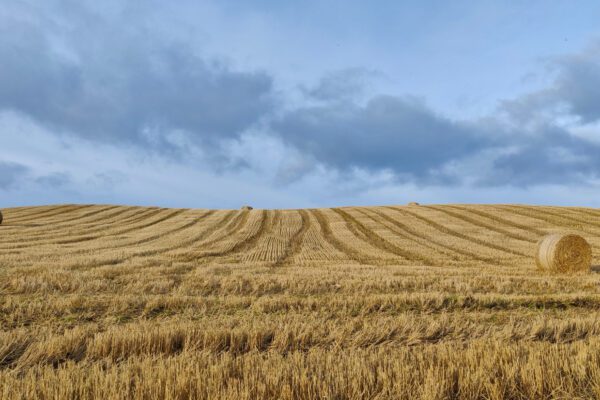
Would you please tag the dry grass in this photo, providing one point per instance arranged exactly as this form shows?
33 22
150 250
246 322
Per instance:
380 302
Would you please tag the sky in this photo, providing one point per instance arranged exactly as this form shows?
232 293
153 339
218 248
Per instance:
281 104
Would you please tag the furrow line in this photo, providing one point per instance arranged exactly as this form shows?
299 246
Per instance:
232 227
128 230
198 237
295 245
162 250
425 239
62 221
138 215
382 221
109 221
266 223
555 220
340 246
165 233
156 251
454 233
34 212
559 213
77 219
36 232
481 224
51 213
585 211
380 242
501 220
149 213
155 237
18 212
551 218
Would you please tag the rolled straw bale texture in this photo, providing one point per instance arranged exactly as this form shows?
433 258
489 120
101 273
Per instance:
563 253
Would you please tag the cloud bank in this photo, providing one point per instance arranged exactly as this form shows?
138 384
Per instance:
82 75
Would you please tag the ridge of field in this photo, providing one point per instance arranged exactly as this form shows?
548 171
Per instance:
440 301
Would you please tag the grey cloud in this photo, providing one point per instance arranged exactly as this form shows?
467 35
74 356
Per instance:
399 134
527 147
537 166
575 91
552 156
405 137
578 84
114 81
549 153
11 174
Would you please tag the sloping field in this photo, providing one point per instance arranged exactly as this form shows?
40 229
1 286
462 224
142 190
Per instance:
362 302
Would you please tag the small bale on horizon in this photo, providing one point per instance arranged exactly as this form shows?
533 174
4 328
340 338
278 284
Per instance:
413 203
565 253
247 208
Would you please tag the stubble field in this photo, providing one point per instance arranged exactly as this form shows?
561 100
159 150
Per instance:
360 302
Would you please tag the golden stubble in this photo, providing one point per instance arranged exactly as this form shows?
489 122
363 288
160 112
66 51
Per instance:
361 302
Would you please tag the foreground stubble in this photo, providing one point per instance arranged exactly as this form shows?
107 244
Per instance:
379 302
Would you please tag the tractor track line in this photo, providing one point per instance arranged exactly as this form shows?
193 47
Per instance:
462 236
501 220
481 224
112 224
246 243
50 213
128 230
340 246
378 241
426 240
30 232
295 245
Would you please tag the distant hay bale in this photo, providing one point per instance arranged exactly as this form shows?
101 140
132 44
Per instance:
563 253
247 208
1 218
413 203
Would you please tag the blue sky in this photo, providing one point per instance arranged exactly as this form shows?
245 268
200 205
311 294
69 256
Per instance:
299 104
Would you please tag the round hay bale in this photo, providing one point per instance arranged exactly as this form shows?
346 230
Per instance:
247 208
1 218
413 203
563 253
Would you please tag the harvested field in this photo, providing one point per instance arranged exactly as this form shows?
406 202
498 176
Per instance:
399 302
